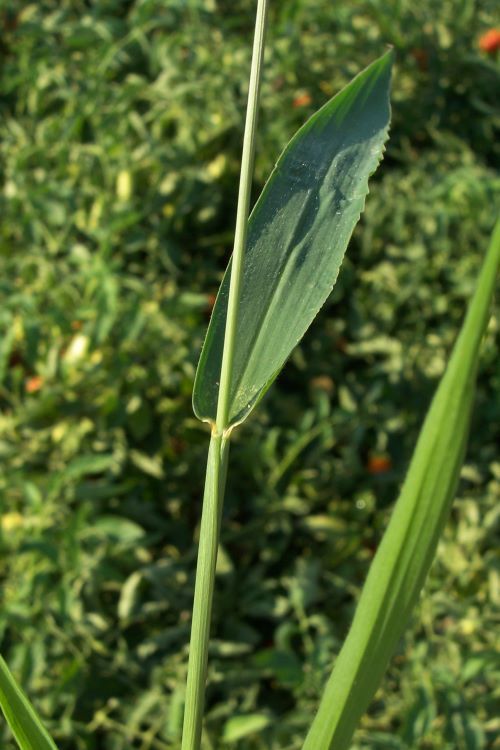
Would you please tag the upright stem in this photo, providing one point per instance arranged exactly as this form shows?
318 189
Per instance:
240 235
215 481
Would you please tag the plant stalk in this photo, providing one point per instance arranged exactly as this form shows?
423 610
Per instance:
240 235
215 480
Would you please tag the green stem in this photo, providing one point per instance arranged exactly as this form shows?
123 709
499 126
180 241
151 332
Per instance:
240 235
215 481
213 498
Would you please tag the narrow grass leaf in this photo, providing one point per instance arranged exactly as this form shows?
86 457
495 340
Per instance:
404 557
22 718
297 237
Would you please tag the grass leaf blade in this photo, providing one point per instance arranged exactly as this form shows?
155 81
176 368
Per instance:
22 718
297 236
407 549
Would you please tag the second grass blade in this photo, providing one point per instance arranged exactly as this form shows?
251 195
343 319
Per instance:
404 557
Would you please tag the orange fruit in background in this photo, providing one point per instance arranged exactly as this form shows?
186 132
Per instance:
302 100
490 41
379 464
33 384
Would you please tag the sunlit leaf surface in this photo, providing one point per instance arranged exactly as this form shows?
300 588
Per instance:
298 234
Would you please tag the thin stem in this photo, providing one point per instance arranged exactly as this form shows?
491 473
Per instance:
215 481
213 498
240 235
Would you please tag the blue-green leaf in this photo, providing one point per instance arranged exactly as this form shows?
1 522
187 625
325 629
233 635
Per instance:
297 237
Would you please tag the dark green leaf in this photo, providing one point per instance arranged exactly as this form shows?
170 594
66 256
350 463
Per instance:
298 234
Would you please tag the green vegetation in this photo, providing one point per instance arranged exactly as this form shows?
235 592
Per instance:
120 138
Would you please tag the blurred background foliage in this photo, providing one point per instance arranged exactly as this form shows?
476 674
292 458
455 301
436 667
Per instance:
120 135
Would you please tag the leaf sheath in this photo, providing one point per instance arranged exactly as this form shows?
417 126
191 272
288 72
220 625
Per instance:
213 499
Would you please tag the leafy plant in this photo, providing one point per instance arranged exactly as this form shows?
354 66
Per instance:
297 236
